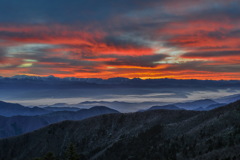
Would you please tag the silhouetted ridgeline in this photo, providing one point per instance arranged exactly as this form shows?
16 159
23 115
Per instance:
17 125
26 119
157 134
35 82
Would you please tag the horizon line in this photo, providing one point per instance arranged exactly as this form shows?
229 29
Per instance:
141 78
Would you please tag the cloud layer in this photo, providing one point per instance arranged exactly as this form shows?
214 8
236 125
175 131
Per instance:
138 38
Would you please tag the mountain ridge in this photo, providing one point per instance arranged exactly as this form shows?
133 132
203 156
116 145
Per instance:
16 125
121 136
14 109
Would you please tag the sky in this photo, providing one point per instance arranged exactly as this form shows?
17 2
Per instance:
187 39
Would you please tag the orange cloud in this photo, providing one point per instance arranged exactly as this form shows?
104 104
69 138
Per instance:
86 54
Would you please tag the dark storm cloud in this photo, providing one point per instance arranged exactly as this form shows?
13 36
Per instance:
219 11
2 55
123 42
143 61
41 72
204 66
65 11
211 54
70 62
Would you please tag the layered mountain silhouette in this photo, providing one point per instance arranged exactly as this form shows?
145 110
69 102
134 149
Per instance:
14 109
11 109
199 105
23 81
228 99
17 119
55 109
168 107
155 134
16 125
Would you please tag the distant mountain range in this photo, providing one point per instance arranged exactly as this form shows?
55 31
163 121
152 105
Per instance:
196 104
155 134
204 104
71 82
17 125
200 105
11 109
167 107
14 109
16 119
66 108
228 99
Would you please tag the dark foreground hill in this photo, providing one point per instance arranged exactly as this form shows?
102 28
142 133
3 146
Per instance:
158 134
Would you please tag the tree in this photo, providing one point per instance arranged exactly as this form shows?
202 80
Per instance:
71 153
49 156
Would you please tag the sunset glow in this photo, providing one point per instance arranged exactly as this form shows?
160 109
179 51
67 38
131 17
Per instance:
145 39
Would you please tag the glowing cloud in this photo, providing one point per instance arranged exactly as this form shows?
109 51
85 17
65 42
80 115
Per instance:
146 39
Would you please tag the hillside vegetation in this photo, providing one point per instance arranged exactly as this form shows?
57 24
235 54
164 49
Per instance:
157 134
